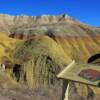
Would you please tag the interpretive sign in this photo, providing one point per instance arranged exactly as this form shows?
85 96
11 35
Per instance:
80 72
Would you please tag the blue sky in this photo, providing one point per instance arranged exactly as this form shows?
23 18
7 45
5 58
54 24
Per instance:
87 11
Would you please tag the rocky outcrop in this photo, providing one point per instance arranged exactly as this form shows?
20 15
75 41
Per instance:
41 63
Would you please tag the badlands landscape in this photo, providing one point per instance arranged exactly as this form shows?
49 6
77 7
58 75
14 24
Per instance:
34 49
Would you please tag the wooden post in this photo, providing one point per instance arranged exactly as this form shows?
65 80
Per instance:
64 88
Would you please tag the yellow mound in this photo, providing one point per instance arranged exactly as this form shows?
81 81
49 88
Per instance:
7 46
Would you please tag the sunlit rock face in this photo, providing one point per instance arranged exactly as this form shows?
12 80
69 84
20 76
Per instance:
39 47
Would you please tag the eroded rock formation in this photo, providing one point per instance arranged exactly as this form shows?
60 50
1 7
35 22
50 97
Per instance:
44 45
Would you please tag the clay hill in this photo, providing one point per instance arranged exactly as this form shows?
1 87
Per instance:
34 49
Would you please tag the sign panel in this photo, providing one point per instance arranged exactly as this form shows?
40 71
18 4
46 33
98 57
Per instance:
80 72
